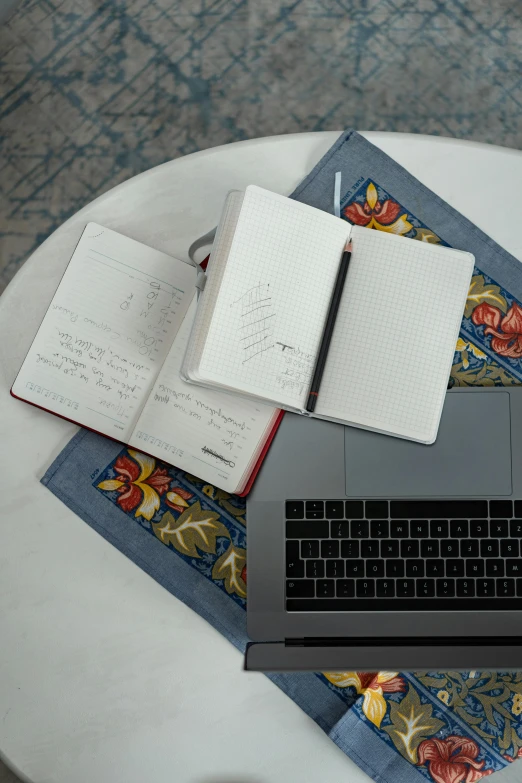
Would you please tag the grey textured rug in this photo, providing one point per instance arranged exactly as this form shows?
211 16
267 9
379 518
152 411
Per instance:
95 91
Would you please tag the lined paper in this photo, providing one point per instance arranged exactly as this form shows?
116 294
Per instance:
395 335
198 429
107 332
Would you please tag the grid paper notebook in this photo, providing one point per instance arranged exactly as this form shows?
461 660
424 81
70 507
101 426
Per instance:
261 317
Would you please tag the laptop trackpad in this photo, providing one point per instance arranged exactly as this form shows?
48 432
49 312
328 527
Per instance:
471 456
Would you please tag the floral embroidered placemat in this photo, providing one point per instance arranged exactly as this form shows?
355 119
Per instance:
449 727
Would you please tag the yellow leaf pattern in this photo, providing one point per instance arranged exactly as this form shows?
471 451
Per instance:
194 529
480 292
229 568
411 722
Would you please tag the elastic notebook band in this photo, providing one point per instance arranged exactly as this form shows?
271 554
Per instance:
337 194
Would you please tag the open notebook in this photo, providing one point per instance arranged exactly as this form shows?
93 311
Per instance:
261 316
108 355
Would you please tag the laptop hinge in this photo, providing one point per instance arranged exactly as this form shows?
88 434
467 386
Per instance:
427 641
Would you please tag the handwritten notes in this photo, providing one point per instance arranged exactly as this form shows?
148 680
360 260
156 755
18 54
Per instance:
255 330
266 321
107 331
201 430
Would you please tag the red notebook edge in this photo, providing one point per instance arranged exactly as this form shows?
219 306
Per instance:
262 456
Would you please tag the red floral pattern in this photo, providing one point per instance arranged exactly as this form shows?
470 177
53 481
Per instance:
506 331
177 499
361 214
452 760
128 472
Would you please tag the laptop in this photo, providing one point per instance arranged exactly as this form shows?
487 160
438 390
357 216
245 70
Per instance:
369 552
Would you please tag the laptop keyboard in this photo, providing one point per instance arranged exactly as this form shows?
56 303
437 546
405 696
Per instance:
421 554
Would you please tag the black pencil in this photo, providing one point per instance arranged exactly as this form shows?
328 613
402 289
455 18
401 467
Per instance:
329 327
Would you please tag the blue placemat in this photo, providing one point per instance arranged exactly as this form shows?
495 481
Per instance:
450 727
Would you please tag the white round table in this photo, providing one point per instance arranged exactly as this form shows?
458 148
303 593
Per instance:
105 676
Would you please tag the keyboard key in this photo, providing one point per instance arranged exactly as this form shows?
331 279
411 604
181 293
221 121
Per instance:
425 588
334 569
309 549
379 528
329 549
466 588
375 568
294 566
474 568
445 588
314 569
400 529
478 528
354 568
340 529
360 528
513 567
294 509
394 568
459 528
350 548
415 568
485 588
314 507
438 509
325 588
300 588
385 588
494 567
505 588
518 509
369 549
429 548
345 588
409 548
509 548
515 526
354 509
454 567
498 528
469 547
307 529
489 548
314 514
295 569
365 588
519 582
376 509
389 549
419 528
439 528
405 588
449 548
434 567
501 508
335 509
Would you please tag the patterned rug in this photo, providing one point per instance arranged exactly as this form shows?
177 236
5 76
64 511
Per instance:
94 92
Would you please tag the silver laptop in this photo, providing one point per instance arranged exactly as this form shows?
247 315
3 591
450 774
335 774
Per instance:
370 552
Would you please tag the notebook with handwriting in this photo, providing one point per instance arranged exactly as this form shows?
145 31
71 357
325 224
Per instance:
108 355
262 314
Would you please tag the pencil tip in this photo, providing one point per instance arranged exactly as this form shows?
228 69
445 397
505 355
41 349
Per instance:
348 247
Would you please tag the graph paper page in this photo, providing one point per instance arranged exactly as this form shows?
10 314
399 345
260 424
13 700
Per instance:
395 335
269 317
